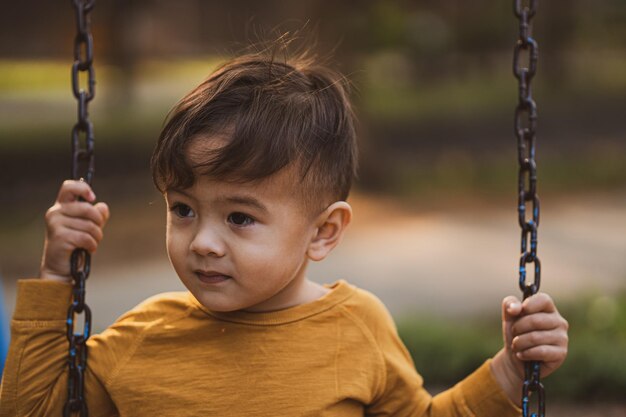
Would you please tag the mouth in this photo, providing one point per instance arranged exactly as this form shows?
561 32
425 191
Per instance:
211 277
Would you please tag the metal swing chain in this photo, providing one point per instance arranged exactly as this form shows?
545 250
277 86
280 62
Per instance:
82 169
525 125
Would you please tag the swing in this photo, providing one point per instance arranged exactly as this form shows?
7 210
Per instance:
83 169
525 126
82 140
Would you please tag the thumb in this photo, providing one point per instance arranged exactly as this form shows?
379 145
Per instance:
511 309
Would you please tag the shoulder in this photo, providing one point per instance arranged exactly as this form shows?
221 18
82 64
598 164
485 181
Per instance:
148 317
117 344
158 308
368 311
367 305
380 340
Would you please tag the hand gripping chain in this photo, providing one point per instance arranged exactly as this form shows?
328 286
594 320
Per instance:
525 125
83 169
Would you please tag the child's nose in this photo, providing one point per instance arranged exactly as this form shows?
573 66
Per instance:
207 242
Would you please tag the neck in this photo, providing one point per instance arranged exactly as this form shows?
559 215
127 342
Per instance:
294 294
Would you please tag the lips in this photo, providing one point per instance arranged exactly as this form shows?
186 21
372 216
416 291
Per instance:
211 277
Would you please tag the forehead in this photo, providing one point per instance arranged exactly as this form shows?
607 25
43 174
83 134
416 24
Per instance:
282 185
278 188
286 186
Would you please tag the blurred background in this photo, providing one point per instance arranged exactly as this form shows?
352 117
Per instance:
435 234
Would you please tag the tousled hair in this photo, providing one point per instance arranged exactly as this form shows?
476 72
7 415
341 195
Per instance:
273 113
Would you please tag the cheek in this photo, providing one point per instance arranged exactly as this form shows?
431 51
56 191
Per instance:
275 254
175 244
168 239
258 258
253 256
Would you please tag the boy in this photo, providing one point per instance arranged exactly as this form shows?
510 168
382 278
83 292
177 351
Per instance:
255 165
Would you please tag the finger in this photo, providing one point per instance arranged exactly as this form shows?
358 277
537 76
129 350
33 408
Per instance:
86 226
103 208
71 190
540 302
543 353
81 240
83 210
511 308
538 321
532 339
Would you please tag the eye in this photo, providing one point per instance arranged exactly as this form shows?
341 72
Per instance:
240 219
182 210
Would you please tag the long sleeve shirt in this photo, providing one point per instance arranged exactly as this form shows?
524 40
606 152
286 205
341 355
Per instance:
337 356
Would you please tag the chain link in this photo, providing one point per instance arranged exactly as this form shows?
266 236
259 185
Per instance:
525 126
83 169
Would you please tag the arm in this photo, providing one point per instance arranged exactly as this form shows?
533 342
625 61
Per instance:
35 379
401 392
532 331
478 395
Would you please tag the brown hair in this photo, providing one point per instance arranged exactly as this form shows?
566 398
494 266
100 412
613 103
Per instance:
274 113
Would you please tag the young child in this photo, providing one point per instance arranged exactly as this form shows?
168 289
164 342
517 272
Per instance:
255 165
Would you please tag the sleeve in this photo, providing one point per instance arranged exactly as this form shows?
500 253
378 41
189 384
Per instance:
35 376
402 393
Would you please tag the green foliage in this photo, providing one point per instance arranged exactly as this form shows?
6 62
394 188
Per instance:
596 365
445 351
457 173
33 76
464 98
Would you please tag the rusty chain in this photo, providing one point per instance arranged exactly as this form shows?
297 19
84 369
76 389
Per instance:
525 127
82 169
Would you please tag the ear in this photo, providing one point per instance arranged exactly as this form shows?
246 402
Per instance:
331 225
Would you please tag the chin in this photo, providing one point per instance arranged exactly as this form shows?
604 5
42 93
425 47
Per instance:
219 307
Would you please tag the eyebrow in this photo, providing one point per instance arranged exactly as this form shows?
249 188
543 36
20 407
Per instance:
233 199
179 191
246 201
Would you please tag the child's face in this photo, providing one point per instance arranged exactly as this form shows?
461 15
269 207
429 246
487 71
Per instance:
240 246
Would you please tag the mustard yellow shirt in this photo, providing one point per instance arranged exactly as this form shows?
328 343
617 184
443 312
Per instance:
338 356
